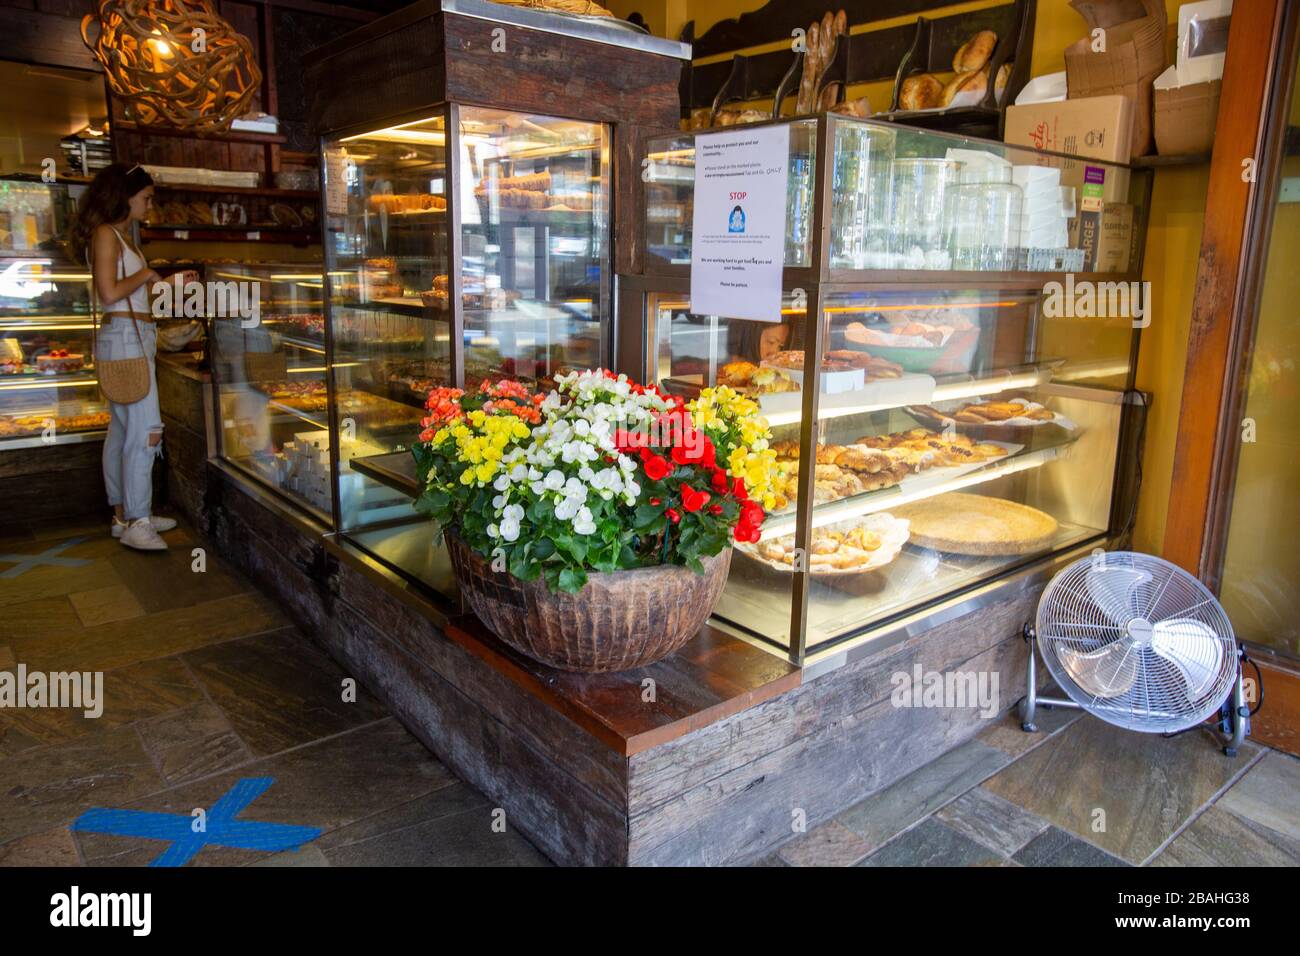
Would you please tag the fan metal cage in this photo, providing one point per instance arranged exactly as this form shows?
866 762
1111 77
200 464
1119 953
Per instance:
1137 641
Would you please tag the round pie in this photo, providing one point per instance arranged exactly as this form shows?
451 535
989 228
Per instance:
961 523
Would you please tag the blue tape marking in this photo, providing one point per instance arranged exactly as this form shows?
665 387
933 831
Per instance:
23 563
222 827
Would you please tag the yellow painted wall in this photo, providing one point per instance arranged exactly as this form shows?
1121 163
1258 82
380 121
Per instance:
1173 235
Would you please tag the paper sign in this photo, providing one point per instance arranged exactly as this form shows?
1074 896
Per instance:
738 230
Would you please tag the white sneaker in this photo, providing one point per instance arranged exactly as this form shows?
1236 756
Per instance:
139 534
157 522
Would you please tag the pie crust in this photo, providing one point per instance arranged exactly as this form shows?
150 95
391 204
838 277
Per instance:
961 523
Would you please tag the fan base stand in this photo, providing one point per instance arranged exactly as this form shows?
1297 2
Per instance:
1235 718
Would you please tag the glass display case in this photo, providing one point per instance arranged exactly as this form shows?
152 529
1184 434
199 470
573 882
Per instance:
48 391
975 310
529 296
269 370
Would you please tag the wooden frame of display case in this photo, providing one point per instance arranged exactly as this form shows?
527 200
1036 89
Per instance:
637 339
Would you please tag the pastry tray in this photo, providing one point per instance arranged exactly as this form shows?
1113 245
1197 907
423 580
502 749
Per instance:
893 532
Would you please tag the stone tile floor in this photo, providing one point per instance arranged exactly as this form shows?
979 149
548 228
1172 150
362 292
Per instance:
206 683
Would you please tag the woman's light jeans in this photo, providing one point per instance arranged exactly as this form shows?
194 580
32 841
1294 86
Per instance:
128 456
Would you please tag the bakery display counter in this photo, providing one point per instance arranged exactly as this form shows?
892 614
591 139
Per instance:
48 390
965 416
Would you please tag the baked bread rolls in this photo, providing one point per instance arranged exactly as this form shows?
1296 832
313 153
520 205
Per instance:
920 92
975 52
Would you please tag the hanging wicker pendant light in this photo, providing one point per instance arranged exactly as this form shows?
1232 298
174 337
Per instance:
174 62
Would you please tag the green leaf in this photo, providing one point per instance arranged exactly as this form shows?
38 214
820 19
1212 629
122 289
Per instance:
543 548
572 580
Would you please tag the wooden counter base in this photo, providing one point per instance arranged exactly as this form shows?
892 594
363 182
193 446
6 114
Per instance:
718 769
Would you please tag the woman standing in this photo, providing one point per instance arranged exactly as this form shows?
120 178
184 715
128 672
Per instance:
119 196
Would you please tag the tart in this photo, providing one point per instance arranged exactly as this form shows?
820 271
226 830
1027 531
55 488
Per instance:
961 523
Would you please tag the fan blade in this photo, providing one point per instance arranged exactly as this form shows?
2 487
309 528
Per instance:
1193 647
1114 590
1108 672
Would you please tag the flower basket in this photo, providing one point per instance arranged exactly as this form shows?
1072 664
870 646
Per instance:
591 527
618 620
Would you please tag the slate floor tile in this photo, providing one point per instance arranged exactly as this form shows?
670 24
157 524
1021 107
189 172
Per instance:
1007 735
48 786
992 821
931 843
131 693
1260 795
831 844
1219 837
1141 787
328 785
50 848
1055 847
461 837
278 690
163 634
884 814
102 605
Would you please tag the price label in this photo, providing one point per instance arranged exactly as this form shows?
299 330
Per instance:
254 236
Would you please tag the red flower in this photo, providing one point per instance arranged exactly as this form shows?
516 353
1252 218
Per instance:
738 489
655 501
720 483
693 500
656 468
673 515
715 509
747 533
751 512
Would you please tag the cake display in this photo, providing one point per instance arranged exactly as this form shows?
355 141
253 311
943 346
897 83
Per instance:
58 361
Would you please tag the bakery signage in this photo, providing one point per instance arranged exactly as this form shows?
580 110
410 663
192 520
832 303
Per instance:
738 230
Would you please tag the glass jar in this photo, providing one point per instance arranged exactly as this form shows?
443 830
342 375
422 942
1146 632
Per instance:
864 158
923 191
986 232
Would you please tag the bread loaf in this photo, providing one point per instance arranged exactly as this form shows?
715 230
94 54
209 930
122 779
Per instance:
975 52
920 92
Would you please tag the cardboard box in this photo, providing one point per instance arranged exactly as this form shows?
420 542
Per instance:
1106 236
1134 55
1185 118
1100 127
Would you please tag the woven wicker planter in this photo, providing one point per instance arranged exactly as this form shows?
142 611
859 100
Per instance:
617 621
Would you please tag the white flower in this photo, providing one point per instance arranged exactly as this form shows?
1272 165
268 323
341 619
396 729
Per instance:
583 523
520 472
493 531
509 530
499 502
567 508
554 480
501 484
513 513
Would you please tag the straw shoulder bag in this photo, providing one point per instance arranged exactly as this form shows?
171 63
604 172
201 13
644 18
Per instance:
121 381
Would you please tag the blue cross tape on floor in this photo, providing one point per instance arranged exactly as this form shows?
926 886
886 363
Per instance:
25 562
221 828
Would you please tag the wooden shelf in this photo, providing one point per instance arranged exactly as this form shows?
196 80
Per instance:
1156 162
231 136
211 233
239 190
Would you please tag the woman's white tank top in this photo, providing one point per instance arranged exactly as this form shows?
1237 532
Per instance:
129 263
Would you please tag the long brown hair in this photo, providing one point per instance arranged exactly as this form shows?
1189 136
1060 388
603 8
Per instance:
107 200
